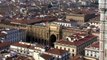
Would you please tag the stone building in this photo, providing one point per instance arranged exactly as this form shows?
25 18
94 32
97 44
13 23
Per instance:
38 52
46 34
12 35
80 15
76 43
92 51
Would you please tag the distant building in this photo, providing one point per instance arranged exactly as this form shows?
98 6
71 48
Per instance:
39 53
92 51
66 23
80 15
63 23
76 43
12 35
27 49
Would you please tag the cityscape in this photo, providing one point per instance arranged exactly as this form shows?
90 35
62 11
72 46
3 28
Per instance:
53 30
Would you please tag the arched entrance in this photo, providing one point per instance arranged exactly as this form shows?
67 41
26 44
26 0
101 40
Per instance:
52 39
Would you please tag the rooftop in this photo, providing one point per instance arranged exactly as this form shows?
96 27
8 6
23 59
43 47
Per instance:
56 51
83 11
32 21
28 45
24 45
20 58
93 46
5 44
77 42
95 19
78 58
46 56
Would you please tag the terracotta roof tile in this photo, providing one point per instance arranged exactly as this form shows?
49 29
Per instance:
32 21
77 42
5 44
46 56
94 45
56 51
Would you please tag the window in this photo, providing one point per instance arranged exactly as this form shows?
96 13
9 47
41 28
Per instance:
95 55
24 52
60 47
20 51
72 54
27 52
17 50
72 50
87 54
56 46
91 54
64 48
68 49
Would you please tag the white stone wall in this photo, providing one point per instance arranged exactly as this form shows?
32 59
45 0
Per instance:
27 51
93 54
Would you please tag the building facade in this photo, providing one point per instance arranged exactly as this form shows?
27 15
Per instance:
39 53
92 51
80 16
75 45
103 29
13 35
45 34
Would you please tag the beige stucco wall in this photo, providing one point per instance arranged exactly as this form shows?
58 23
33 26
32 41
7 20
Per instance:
67 48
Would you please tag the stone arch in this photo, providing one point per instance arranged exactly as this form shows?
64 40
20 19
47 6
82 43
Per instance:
52 40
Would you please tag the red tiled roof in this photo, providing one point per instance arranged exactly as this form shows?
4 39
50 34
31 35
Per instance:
5 44
83 11
77 42
20 58
23 45
78 58
46 56
95 44
32 21
56 51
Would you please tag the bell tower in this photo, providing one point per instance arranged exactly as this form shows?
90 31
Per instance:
103 30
